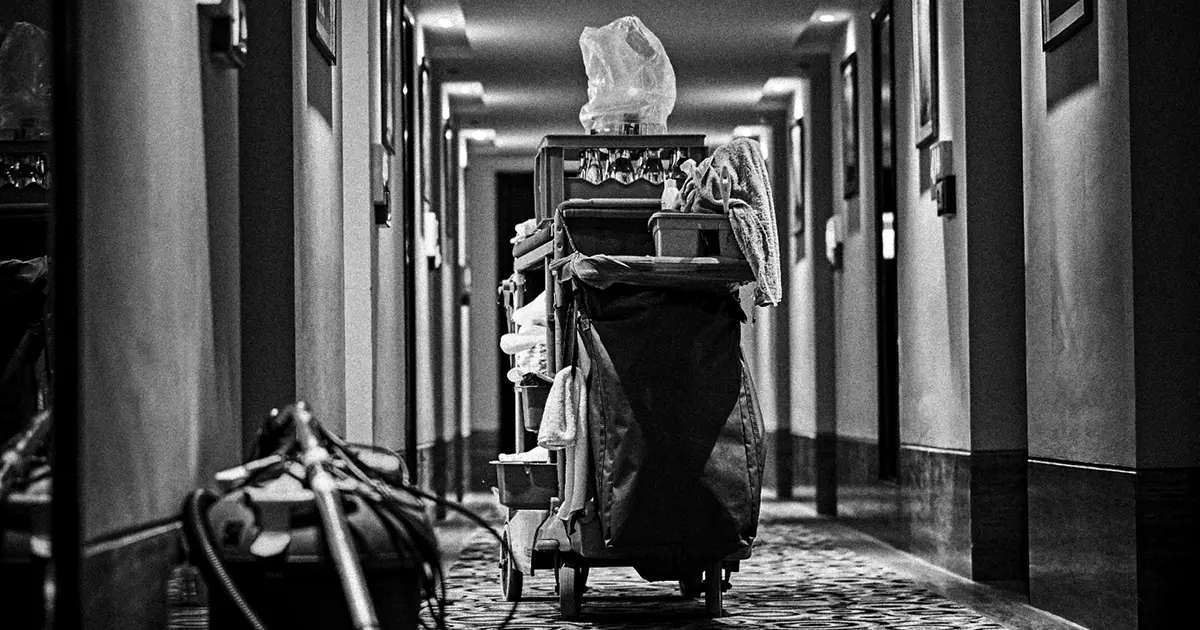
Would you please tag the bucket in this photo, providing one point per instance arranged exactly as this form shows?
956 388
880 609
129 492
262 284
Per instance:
688 235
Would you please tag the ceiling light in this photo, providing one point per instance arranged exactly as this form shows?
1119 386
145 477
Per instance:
479 135
463 88
827 18
782 86
445 22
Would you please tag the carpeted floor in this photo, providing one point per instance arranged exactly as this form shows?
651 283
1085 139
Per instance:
799 577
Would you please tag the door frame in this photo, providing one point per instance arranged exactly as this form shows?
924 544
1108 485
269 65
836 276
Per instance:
883 25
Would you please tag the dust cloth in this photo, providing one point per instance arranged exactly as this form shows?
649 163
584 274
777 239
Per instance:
751 209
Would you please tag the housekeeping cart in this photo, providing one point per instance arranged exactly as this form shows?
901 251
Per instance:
665 469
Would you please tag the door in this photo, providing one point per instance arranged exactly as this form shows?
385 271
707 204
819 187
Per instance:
514 204
885 241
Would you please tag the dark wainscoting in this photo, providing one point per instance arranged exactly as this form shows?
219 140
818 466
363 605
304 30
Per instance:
1168 525
1083 544
967 512
1114 548
481 447
867 502
936 506
125 579
999 519
790 458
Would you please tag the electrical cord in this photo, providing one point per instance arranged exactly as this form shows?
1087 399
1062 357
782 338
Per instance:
213 568
389 498
388 490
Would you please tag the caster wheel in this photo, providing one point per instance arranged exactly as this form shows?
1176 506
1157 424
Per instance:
713 591
511 578
691 587
570 590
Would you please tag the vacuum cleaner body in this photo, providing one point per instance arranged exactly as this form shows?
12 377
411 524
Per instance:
270 539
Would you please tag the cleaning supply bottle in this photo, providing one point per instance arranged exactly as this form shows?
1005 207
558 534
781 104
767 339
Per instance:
670 196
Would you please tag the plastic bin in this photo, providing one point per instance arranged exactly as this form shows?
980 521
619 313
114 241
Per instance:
533 402
527 485
689 235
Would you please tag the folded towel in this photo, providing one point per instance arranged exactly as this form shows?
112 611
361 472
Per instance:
565 405
512 343
751 209
532 314
535 454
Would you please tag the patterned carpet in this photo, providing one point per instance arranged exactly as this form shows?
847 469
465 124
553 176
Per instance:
798 578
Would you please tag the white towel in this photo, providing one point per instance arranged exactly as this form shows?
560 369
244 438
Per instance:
512 343
579 468
533 313
565 404
535 454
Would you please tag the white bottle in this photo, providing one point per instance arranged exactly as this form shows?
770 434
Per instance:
670 196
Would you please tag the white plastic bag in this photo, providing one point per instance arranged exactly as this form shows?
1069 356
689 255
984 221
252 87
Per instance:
630 79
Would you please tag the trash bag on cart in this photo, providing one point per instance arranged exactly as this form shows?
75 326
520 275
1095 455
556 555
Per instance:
675 430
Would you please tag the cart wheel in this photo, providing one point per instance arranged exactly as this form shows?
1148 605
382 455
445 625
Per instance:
570 591
691 587
511 578
713 590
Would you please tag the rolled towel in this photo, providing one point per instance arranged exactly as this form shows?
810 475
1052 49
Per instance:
512 343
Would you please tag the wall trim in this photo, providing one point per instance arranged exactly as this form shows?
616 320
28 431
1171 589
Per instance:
1081 466
131 536
942 450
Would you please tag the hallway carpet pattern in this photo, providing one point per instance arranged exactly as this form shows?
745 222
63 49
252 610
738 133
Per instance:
798 578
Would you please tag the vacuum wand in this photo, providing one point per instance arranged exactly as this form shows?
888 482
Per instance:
17 452
333 521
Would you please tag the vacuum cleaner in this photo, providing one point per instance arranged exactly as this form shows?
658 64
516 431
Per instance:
315 533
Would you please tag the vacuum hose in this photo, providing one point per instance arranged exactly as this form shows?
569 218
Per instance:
196 530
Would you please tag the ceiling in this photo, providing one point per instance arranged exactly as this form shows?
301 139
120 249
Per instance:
526 55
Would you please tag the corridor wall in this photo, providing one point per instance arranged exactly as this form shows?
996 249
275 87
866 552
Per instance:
959 497
148 389
1114 449
360 121
320 315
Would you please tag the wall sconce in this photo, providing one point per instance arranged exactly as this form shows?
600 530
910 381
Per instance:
431 239
381 198
227 38
835 234
941 171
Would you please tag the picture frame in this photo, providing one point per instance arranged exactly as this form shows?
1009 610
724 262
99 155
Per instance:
387 75
850 154
323 27
797 136
1061 19
925 72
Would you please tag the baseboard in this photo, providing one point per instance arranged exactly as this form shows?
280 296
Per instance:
124 579
1111 547
966 511
865 501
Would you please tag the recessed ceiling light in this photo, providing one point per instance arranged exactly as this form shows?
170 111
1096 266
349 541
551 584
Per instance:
827 18
445 22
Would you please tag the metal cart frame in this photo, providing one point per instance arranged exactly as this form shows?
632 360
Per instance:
535 539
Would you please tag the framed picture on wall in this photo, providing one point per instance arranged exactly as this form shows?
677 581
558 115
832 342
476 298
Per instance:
925 72
323 27
850 165
1061 19
798 176
387 75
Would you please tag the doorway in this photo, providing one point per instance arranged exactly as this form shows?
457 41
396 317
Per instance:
514 204
887 341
